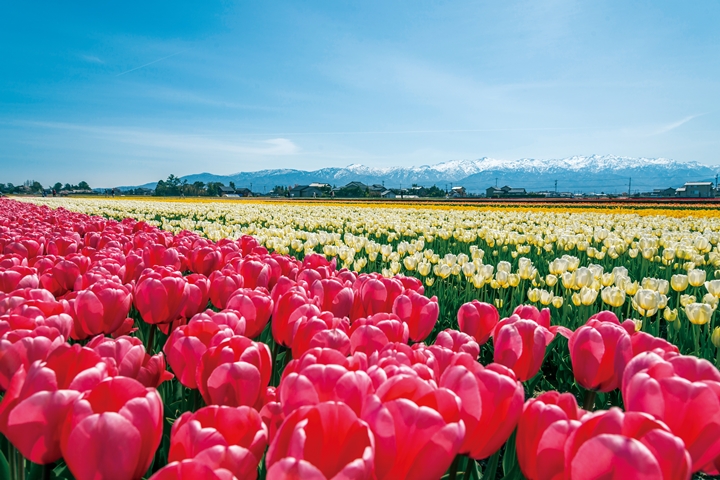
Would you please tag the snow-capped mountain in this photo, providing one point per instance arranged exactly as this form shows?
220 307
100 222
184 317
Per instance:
595 173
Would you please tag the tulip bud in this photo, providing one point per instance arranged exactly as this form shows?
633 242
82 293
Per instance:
715 338
670 314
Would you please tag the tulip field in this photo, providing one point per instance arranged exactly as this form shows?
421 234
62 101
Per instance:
189 339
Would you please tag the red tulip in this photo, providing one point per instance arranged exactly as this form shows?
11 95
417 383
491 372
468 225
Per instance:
191 470
255 273
615 445
323 441
160 297
321 376
419 312
333 295
127 355
205 260
186 345
411 283
492 402
159 255
322 330
644 342
23 347
113 430
223 283
374 294
235 372
232 438
255 306
39 399
544 426
40 299
478 320
520 345
290 308
18 277
458 342
418 428
371 334
198 294
102 308
683 392
599 351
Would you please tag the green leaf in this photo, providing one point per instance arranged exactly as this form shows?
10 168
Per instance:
4 467
509 457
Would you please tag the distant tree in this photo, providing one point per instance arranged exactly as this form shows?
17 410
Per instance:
67 187
213 189
57 187
232 185
83 185
36 187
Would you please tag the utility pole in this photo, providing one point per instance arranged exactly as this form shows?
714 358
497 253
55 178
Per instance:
555 186
496 182
630 187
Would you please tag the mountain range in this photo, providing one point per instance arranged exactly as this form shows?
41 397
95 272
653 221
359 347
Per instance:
595 173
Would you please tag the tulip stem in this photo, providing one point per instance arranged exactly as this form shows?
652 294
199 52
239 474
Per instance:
454 468
469 467
151 339
696 332
491 471
19 473
47 471
589 402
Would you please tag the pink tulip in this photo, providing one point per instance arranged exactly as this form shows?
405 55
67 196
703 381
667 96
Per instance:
255 273
683 392
255 306
18 277
322 330
644 342
492 402
323 441
520 345
290 309
371 334
231 438
458 342
333 296
478 320
322 375
417 426
615 445
419 312
198 294
102 308
599 351
113 430
546 423
191 470
235 372
374 294
186 345
39 399
205 260
160 296
20 348
223 283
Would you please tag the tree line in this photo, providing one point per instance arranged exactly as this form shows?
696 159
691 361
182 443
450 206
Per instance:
32 186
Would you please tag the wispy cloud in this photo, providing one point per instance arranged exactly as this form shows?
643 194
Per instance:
91 59
172 141
146 64
674 125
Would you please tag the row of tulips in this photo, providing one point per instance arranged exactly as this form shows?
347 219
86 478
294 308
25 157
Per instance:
307 371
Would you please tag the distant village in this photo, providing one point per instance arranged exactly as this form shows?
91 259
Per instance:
173 186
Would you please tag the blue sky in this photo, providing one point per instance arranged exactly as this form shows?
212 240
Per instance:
119 93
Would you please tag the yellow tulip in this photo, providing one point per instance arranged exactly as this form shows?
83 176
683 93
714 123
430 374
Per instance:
699 313
713 287
551 280
613 296
679 282
670 315
686 300
557 302
696 277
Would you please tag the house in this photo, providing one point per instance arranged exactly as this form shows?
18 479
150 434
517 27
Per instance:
226 191
388 194
305 191
696 190
505 191
375 190
244 192
663 192
457 192
321 186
